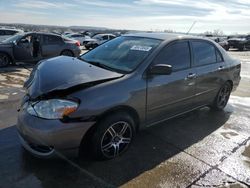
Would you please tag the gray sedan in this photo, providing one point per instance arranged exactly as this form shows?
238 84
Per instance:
105 96
34 46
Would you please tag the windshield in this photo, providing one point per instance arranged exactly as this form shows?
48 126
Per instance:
123 53
12 39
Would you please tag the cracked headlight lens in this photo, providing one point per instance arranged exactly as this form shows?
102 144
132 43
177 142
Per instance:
52 108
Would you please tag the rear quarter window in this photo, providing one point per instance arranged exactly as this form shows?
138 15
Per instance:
219 56
204 53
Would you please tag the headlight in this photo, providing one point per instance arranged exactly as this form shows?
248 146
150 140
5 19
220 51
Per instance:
52 109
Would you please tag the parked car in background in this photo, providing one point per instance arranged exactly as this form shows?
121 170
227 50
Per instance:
221 41
7 33
98 39
239 42
127 84
83 39
67 33
34 46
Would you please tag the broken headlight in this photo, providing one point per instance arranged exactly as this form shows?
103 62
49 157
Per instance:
52 108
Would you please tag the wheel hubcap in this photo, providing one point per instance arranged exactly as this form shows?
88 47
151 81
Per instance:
116 139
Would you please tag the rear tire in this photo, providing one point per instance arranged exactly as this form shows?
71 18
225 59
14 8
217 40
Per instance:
113 136
4 60
222 97
67 53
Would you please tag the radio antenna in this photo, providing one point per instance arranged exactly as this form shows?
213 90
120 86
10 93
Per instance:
191 27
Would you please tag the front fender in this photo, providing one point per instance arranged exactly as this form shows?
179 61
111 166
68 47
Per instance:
95 101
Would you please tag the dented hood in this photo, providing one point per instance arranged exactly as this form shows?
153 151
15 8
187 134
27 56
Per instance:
63 73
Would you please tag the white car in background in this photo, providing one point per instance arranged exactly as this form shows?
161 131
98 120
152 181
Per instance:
97 40
79 37
7 33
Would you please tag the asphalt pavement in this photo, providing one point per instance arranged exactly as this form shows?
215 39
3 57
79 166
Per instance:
199 149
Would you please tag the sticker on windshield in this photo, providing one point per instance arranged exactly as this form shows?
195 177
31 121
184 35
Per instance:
141 48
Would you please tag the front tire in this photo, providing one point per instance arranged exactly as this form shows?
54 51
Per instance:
94 46
67 53
4 60
113 136
222 97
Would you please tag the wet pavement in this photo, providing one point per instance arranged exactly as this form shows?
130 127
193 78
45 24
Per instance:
199 149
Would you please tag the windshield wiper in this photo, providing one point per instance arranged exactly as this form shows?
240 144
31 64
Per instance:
98 64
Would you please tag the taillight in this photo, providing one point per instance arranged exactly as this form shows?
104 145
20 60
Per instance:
78 43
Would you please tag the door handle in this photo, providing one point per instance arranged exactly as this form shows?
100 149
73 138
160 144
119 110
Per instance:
190 76
220 68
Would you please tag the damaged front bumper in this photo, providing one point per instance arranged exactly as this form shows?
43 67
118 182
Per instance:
49 138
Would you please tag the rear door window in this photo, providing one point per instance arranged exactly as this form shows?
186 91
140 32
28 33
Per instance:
50 39
105 37
177 55
204 53
111 37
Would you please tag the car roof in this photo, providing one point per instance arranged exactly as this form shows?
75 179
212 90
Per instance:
42 33
164 36
103 34
74 34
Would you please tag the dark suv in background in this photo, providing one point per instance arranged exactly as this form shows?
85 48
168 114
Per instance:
222 41
239 42
34 46
105 96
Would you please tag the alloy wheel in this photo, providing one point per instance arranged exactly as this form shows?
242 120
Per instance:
116 139
223 96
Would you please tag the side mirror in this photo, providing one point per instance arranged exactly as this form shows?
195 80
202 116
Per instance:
160 69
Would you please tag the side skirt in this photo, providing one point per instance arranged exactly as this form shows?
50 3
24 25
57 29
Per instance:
157 122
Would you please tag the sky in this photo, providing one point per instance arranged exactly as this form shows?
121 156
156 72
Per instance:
230 16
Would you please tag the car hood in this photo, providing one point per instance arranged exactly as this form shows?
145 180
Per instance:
65 73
